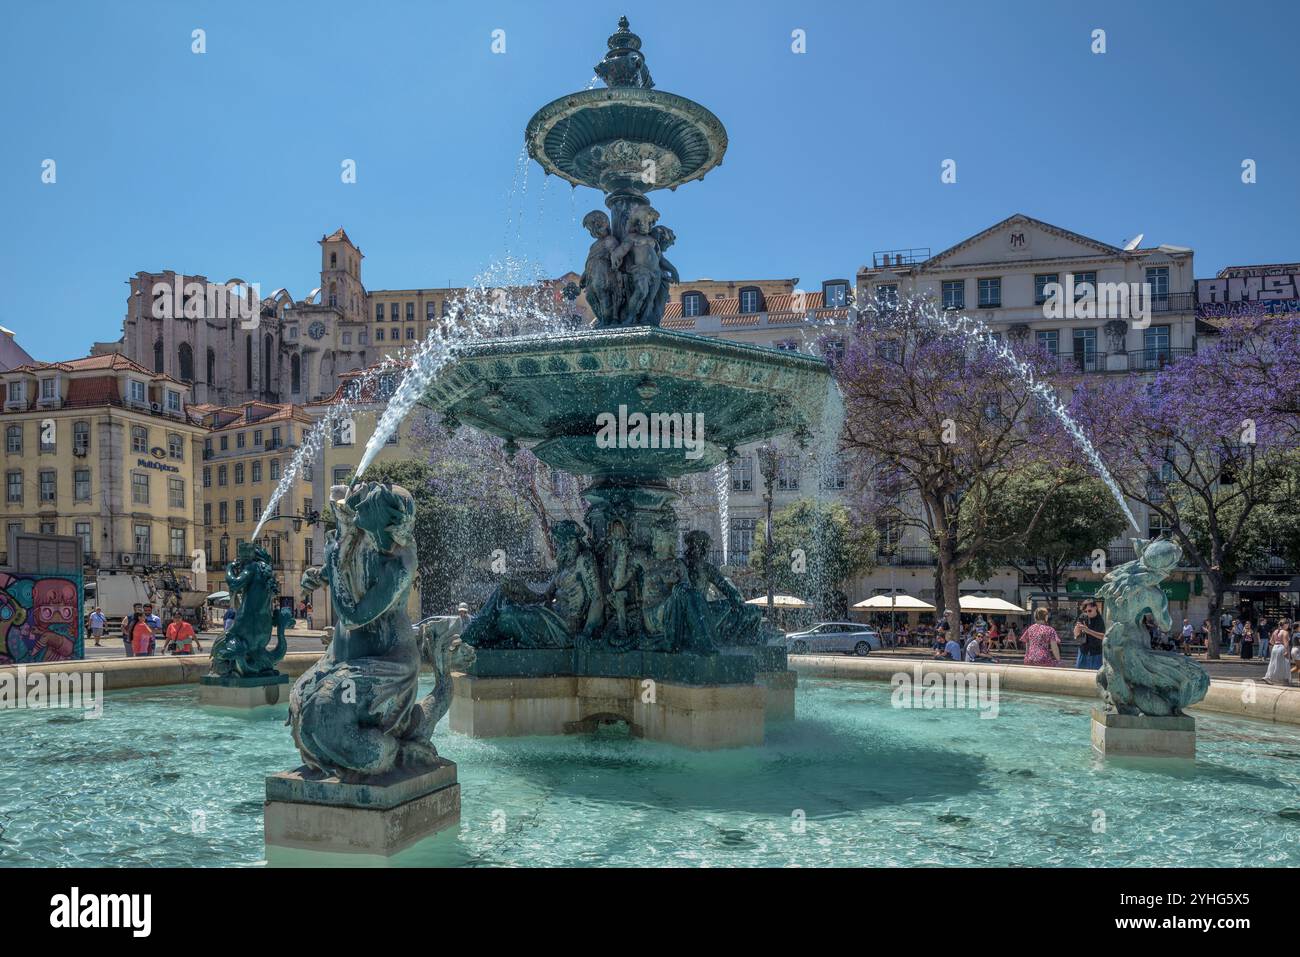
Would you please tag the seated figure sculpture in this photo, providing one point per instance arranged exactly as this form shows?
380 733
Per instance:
1134 679
733 622
355 713
242 651
675 615
570 611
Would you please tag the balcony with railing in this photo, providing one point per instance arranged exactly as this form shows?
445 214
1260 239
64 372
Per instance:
915 556
885 258
1173 302
1155 358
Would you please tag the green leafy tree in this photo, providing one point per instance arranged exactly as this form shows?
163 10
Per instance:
1076 515
816 548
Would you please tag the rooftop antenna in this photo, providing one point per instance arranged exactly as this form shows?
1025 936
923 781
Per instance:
1132 244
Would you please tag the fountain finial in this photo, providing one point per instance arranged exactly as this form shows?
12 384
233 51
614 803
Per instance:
624 64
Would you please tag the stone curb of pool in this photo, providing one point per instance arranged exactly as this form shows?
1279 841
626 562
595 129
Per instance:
1277 704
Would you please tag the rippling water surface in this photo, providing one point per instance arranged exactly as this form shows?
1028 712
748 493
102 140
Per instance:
851 781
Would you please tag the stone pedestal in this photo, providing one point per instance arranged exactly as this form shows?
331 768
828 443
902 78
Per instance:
690 715
243 694
780 685
1140 736
380 817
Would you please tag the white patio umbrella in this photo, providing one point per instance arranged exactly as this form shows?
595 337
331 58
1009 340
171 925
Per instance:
894 603
780 601
989 605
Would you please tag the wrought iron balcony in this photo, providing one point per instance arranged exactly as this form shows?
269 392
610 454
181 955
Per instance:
1153 359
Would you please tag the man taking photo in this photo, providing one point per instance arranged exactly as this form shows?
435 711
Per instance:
1091 629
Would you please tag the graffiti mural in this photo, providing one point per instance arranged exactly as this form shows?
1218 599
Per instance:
40 619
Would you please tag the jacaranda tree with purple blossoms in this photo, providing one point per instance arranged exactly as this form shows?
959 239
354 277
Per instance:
1205 445
939 422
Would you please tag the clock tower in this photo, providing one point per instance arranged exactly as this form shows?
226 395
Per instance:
340 276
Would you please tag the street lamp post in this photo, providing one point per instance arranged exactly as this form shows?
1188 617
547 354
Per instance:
767 467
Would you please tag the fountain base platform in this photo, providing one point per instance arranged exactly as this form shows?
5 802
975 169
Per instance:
1141 736
243 694
655 704
307 811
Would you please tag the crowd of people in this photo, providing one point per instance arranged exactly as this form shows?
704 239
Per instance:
142 628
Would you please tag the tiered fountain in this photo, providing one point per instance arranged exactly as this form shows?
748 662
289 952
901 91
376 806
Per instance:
627 630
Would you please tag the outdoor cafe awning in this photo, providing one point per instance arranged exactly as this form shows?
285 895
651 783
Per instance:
779 601
988 605
894 603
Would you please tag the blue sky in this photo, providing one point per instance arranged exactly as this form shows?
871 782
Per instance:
228 163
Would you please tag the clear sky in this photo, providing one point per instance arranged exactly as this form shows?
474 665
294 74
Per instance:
228 163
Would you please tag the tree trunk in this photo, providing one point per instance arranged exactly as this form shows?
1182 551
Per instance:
948 572
1216 610
940 599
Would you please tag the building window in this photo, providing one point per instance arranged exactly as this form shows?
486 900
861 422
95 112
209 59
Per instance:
81 485
18 392
139 439
1049 341
137 392
1085 284
47 390
305 469
410 312
379 312
834 475
83 533
224 443
990 293
239 510
207 513
347 338
225 550
275 470
221 476
207 476
1155 347
257 508
143 539
257 438
428 312
1041 282
48 486
1158 279
954 294
14 440
751 300
835 294
48 528
887 296
240 440
47 438
786 345
239 473
256 470
175 447
178 542
223 512
139 488
81 438
1085 349
742 474
275 436
742 539
694 304
379 335
788 468
833 350
392 312
342 433
340 475
175 493
410 332
173 401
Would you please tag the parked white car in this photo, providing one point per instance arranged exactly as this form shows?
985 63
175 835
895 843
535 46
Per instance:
843 636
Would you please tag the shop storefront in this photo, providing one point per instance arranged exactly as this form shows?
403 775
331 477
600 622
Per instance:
1262 595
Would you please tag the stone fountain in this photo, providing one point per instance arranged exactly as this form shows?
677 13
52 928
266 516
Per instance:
628 630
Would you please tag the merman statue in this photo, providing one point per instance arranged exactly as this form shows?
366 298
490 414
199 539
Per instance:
356 713
242 651
1134 679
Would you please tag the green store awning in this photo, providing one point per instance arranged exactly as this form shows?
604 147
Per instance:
1174 591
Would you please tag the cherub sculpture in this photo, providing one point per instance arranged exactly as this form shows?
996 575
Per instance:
638 257
1134 679
241 652
664 239
600 278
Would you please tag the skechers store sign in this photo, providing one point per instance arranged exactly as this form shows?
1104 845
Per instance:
1278 583
1246 292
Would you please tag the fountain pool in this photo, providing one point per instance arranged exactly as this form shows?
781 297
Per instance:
157 782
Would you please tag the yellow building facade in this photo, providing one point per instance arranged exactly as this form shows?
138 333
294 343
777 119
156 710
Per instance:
102 449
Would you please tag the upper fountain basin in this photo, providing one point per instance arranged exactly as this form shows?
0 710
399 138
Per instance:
626 138
550 392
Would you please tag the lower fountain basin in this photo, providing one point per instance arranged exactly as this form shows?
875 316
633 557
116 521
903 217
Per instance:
551 393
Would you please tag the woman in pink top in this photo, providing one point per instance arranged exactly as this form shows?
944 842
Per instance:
141 636
1042 643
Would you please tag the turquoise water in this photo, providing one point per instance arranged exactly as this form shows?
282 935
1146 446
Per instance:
851 781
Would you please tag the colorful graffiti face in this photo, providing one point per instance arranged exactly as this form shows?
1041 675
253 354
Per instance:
40 619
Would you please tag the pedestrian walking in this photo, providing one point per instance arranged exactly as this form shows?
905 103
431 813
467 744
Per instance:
97 622
1247 642
141 637
1042 643
1279 655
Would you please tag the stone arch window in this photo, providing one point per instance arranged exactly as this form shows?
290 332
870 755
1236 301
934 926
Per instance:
267 350
334 260
185 362
334 294
295 374
694 304
158 355
751 299
248 361
212 366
